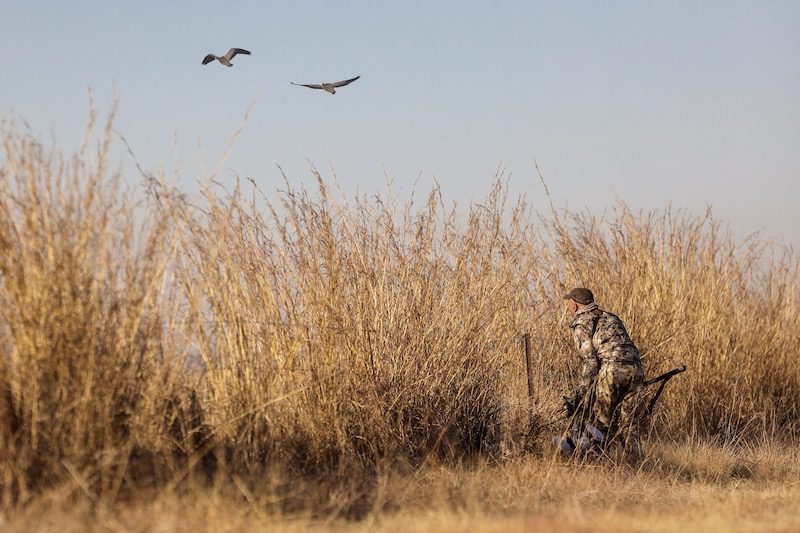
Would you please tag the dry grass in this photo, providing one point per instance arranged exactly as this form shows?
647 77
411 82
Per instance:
519 495
308 357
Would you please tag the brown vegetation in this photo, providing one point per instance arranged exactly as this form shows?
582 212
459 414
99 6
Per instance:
309 355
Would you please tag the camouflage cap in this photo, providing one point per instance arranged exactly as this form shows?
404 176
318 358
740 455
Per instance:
581 295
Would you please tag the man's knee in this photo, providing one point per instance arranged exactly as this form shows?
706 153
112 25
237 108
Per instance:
603 411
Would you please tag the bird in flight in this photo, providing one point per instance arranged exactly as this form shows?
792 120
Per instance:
329 87
226 59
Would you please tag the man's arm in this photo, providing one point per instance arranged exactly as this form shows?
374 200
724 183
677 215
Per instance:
582 335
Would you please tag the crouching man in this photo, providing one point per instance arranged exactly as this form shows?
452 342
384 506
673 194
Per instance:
608 396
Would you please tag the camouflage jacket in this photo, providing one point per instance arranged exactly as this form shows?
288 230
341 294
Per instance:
601 338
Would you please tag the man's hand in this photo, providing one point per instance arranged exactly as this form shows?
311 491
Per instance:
569 407
571 404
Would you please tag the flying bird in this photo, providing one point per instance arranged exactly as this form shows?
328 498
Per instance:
226 59
329 87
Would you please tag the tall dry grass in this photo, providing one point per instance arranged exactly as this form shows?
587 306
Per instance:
334 331
88 361
307 333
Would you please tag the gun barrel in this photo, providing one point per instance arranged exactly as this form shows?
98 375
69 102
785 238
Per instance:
665 375
663 378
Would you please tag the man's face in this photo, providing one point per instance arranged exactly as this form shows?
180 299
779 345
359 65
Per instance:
572 306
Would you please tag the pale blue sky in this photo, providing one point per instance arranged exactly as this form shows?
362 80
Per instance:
682 103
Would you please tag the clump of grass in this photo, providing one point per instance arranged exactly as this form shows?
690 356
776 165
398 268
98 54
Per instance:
87 350
335 331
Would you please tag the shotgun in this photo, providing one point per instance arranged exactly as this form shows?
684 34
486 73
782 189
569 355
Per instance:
571 403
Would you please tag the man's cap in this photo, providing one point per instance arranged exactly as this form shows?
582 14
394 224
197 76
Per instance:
581 295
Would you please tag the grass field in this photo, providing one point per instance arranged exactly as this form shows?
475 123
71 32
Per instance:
679 487
301 358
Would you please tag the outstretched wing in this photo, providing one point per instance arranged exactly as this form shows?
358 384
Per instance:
309 85
344 82
209 58
233 51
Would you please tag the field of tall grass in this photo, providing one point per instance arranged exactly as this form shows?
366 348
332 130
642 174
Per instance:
318 357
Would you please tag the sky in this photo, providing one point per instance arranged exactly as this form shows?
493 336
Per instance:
681 104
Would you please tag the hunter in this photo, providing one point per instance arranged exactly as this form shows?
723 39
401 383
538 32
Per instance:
611 375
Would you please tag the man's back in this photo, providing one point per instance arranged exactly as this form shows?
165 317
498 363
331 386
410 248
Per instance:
611 340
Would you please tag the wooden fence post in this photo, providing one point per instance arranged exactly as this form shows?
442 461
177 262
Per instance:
528 364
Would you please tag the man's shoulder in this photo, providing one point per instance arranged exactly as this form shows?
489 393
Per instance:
608 316
587 319
611 323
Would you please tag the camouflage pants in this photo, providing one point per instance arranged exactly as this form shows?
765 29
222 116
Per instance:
618 402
